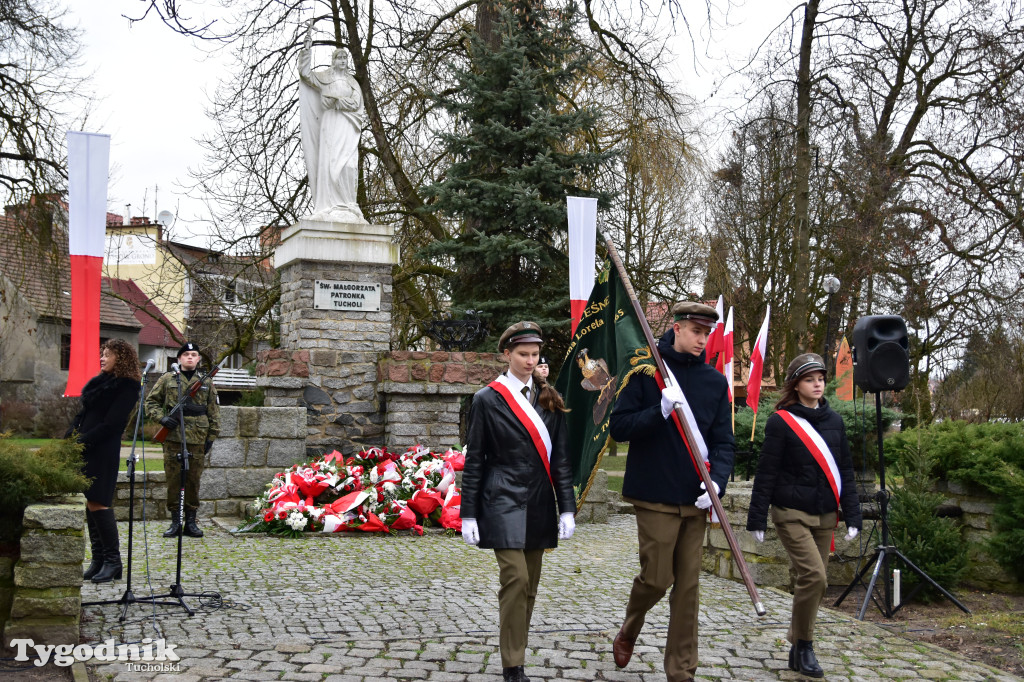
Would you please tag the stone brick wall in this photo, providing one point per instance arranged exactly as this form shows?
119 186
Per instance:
44 601
769 564
330 367
423 394
255 443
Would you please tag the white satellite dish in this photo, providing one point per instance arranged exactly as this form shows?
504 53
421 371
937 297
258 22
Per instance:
165 218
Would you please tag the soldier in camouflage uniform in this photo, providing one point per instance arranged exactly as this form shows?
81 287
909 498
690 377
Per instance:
202 425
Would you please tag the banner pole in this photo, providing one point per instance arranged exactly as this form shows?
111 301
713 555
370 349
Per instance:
705 475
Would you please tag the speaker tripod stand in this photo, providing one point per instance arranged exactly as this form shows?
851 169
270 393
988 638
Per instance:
886 551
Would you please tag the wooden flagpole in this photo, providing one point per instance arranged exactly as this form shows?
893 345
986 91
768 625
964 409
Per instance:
688 437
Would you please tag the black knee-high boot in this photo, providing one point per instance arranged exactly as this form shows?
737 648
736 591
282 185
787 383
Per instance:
97 547
107 526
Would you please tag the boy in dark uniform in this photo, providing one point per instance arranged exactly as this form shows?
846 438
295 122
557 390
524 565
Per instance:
663 485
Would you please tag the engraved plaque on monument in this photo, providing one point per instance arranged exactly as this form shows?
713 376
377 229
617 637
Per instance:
361 297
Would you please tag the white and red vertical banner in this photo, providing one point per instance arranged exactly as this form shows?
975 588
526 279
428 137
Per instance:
582 213
714 345
88 165
726 353
757 354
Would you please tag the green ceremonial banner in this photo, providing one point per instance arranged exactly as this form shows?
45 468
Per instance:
607 350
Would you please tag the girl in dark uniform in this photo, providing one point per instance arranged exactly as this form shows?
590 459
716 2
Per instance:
805 474
516 481
107 401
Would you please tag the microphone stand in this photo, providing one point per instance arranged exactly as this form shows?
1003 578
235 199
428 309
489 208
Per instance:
177 592
128 598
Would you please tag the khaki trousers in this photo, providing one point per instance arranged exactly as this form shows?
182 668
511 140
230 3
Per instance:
807 538
172 470
519 575
671 545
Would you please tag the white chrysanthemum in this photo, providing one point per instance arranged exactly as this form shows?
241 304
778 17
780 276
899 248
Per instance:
296 521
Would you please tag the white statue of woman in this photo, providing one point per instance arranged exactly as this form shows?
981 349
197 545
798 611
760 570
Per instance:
331 118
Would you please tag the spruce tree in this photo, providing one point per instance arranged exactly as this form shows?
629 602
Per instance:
517 149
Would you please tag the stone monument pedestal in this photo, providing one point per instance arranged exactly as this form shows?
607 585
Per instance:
336 298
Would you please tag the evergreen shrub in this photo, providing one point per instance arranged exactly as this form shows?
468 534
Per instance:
931 543
988 456
28 476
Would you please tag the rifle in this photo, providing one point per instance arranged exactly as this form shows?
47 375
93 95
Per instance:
161 435
702 471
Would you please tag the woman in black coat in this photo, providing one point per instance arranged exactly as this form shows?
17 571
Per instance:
517 493
805 473
107 401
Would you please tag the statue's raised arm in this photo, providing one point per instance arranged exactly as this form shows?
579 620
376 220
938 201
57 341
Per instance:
331 117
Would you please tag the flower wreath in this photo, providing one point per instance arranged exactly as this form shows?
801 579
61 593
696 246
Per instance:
374 491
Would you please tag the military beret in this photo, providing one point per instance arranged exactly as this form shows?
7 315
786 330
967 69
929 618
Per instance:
520 332
189 346
543 360
803 364
698 312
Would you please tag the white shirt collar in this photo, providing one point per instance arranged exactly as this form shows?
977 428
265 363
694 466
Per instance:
515 384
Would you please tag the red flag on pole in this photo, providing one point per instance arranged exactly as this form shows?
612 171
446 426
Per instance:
757 354
714 346
725 353
88 163
582 214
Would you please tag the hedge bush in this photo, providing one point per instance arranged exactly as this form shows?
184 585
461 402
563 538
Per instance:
988 456
28 476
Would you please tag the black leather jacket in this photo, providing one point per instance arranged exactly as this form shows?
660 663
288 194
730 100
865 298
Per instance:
788 475
505 486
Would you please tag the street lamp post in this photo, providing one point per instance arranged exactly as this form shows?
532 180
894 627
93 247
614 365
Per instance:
831 286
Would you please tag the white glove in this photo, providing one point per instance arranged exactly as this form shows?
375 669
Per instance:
851 533
670 395
470 532
704 501
566 526
758 535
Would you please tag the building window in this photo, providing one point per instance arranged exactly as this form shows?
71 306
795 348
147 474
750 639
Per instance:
65 351
229 292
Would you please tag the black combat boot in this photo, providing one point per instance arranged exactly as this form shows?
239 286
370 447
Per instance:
514 674
97 547
175 526
806 660
107 526
191 529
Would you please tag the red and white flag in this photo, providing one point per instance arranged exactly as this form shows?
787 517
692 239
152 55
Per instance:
582 212
88 164
714 346
757 354
725 353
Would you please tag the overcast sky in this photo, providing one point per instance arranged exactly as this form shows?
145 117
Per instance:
150 87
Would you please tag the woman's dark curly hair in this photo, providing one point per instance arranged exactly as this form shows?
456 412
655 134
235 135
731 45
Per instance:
127 364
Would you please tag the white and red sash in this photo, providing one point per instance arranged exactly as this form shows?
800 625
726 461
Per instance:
698 437
813 441
528 417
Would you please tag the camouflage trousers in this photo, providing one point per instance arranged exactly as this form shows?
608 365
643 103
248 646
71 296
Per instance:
172 470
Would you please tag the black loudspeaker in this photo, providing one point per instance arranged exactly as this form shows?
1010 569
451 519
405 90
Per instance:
881 361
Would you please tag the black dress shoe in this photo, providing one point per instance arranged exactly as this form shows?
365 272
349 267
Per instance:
806 661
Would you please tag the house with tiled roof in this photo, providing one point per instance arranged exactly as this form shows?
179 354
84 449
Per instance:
159 338
35 303
201 292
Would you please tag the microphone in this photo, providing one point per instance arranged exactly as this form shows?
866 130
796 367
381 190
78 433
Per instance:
149 365
174 367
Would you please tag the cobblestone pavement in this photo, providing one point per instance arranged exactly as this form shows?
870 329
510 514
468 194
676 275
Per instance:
355 608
